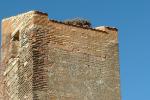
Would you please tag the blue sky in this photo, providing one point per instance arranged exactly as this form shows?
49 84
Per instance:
131 17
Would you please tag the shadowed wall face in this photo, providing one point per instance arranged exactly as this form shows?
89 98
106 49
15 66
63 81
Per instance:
64 62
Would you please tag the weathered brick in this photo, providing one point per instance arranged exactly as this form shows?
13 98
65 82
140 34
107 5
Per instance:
51 60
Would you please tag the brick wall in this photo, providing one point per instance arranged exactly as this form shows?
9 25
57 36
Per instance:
82 63
56 61
17 56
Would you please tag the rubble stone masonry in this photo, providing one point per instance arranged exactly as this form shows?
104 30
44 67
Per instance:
43 59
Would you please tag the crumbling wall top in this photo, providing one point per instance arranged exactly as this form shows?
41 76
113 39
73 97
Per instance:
22 14
105 28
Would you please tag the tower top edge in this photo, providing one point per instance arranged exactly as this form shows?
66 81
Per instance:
26 13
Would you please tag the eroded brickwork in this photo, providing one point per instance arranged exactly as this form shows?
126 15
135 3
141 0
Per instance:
17 56
54 61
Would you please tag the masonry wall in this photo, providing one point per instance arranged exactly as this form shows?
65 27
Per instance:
17 57
81 64
54 61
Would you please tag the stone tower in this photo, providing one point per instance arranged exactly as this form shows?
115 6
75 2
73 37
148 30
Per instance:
44 59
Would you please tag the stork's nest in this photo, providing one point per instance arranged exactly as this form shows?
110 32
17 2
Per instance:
78 22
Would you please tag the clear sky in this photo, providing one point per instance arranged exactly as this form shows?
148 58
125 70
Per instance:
131 17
